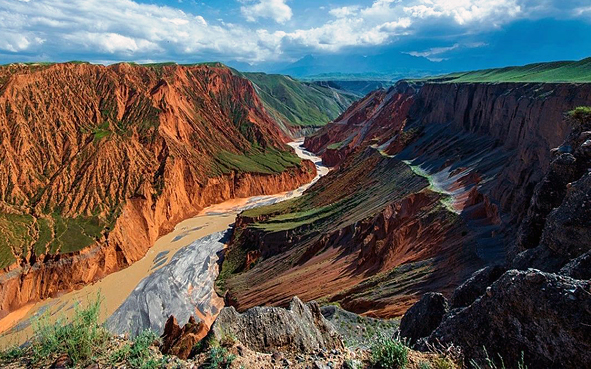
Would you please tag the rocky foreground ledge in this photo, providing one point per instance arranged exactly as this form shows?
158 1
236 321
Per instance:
262 337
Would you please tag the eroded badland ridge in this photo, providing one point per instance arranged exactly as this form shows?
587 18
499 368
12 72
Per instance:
99 161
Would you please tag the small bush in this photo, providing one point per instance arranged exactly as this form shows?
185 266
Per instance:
138 354
219 358
352 364
11 353
81 339
389 353
498 364
443 363
425 365
582 114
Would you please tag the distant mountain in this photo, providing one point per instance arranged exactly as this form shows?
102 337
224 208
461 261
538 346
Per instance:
389 65
296 104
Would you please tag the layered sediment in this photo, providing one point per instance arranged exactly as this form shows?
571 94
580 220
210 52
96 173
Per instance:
479 150
101 161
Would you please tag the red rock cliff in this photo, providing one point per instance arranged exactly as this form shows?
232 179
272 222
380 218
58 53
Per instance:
98 162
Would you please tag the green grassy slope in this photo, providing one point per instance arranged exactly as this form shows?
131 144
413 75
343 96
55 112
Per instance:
555 72
299 103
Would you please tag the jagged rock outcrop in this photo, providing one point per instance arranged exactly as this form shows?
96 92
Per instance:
179 341
98 162
545 316
579 268
556 229
300 328
567 231
423 317
476 286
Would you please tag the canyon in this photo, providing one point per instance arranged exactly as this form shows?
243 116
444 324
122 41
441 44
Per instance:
432 182
99 162
460 205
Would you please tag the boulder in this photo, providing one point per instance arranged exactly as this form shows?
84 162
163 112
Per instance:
423 317
301 328
180 341
475 286
547 317
579 268
566 234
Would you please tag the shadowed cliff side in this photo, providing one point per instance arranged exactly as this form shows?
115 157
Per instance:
98 162
458 164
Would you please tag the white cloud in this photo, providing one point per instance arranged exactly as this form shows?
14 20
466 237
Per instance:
466 11
434 53
125 29
345 11
277 10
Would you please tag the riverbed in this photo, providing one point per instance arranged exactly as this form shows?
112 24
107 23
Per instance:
115 289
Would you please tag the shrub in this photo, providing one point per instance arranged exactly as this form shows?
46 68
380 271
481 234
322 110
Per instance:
581 115
389 353
492 364
352 364
138 354
425 365
11 353
443 363
81 339
219 358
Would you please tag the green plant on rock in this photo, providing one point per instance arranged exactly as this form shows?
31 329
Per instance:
352 364
443 362
581 113
425 365
497 364
390 353
138 353
11 353
219 358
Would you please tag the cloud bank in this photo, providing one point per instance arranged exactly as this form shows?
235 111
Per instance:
113 30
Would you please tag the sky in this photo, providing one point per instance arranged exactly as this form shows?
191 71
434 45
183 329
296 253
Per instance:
265 34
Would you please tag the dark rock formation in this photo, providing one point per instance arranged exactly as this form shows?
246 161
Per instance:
567 231
301 328
545 316
475 287
180 341
423 317
579 268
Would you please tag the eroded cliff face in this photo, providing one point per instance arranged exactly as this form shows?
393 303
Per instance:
480 148
98 162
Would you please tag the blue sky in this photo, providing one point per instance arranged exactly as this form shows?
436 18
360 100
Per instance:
278 32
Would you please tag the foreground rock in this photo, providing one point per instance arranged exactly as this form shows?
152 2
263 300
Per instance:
423 317
301 328
475 286
545 316
179 341
183 288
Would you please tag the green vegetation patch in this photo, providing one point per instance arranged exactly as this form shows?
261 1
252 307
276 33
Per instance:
265 162
555 72
44 236
298 219
74 234
299 103
15 237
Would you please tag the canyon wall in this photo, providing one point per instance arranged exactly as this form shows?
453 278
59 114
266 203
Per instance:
98 162
480 150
